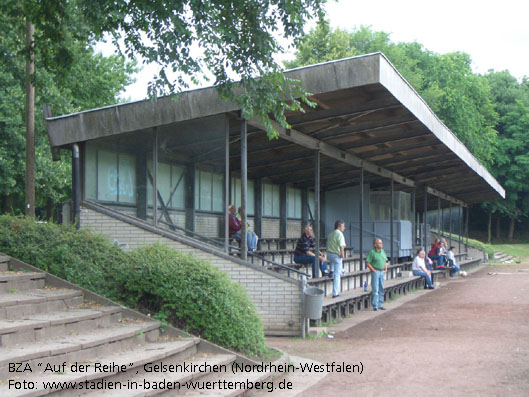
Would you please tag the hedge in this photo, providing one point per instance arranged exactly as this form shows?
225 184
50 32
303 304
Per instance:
174 287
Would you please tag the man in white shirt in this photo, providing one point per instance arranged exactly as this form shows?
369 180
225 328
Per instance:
418 268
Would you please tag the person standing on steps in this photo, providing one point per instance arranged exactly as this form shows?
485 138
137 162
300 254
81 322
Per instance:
335 254
377 262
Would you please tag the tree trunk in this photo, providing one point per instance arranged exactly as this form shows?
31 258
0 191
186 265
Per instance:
50 209
511 228
30 122
489 228
8 204
498 227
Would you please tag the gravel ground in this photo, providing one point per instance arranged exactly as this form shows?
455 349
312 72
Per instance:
468 337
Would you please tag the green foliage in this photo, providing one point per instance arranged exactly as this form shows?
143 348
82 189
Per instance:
175 288
194 296
69 76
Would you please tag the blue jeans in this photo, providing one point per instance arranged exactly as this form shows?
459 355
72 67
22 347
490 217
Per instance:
251 239
454 270
377 284
336 266
310 260
439 258
425 276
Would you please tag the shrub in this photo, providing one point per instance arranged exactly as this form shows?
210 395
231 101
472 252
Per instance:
187 292
193 295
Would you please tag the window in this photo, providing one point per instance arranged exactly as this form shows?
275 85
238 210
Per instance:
270 200
110 176
170 180
293 203
209 191
236 195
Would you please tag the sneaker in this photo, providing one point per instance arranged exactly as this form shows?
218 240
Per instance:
375 309
432 287
335 296
330 274
382 308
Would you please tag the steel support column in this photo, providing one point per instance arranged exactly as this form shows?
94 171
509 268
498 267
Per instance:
391 250
361 223
316 267
425 242
414 226
226 184
439 217
450 226
244 182
76 185
155 176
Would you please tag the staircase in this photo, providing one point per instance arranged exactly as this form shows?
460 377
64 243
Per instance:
53 331
502 257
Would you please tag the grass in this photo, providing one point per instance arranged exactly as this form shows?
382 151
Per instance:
518 250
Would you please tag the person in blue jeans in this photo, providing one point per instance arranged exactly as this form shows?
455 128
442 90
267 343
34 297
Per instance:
419 268
377 262
454 267
303 254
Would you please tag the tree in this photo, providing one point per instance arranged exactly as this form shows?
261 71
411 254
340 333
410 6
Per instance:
80 80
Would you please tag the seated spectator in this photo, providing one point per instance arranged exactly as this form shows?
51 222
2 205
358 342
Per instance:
418 268
434 252
442 253
454 267
303 254
235 230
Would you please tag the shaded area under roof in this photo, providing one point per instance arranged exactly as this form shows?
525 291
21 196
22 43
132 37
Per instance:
366 115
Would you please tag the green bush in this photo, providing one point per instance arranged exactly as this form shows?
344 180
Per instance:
187 292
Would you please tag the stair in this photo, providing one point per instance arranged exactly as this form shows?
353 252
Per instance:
502 257
52 332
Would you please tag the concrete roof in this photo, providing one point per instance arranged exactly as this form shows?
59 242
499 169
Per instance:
366 115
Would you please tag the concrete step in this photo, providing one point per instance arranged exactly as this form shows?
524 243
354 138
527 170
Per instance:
120 367
20 281
156 383
81 346
38 327
21 304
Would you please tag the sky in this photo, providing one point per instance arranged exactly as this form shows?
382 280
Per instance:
494 33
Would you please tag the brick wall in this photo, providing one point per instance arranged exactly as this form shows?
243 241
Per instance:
270 228
293 228
278 300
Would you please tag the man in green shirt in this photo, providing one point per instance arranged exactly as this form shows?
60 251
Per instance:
377 262
335 254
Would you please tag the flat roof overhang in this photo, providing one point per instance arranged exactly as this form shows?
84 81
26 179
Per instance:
366 116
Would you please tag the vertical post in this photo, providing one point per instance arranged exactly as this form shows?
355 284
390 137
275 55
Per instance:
155 176
450 225
439 217
258 205
244 183
466 229
76 181
190 197
283 215
460 231
413 211
226 183
425 217
30 120
303 319
361 223
391 187
304 208
316 267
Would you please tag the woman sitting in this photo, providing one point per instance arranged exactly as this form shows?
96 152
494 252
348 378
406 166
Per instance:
303 254
235 230
419 269
434 252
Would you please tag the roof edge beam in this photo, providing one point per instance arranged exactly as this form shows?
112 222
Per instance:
445 196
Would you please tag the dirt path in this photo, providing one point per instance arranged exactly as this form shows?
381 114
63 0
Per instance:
469 337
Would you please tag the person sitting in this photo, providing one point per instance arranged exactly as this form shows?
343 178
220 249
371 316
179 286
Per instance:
442 252
418 268
235 230
454 267
303 254
434 252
